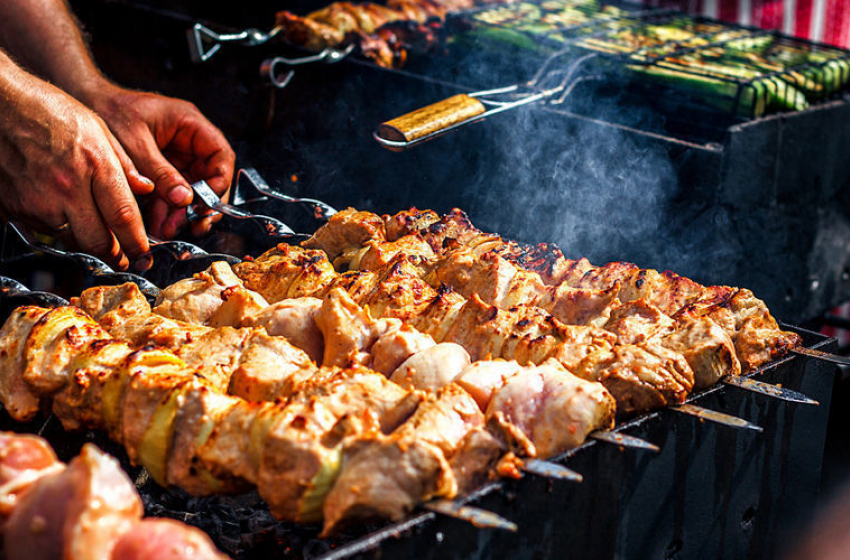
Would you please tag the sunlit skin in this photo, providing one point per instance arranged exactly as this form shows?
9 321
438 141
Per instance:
77 150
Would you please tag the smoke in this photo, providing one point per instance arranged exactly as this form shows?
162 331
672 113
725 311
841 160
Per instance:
596 187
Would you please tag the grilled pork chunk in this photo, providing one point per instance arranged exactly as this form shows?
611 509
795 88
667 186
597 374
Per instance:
302 452
287 272
395 346
294 319
88 509
15 394
433 368
554 409
197 300
125 313
384 477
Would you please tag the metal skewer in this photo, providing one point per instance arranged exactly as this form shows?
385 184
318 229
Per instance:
623 440
821 355
12 289
93 265
550 470
480 518
272 226
200 36
714 416
321 210
329 55
768 389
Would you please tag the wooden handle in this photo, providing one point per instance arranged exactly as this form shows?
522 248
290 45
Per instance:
432 118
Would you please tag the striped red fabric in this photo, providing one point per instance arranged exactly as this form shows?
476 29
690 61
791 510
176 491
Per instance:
824 21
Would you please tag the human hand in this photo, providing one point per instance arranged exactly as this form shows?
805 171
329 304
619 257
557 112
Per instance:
171 142
62 171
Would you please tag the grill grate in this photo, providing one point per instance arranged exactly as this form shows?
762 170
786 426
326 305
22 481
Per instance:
738 70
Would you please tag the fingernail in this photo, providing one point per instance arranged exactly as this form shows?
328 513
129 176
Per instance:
179 194
144 262
146 181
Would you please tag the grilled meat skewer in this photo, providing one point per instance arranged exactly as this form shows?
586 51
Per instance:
168 416
744 318
383 34
641 377
708 349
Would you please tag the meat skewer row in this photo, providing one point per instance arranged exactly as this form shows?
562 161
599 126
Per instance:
351 337
707 348
577 292
641 377
186 432
383 33
86 509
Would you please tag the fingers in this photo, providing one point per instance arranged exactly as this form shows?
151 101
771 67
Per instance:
217 169
139 184
170 185
113 198
93 236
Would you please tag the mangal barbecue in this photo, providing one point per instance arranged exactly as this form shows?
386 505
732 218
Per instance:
611 131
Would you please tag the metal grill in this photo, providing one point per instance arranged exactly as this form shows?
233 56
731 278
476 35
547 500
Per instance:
761 478
743 71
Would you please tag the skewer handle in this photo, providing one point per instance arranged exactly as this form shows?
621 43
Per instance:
431 119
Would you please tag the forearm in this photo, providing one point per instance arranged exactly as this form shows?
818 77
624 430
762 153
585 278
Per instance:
44 37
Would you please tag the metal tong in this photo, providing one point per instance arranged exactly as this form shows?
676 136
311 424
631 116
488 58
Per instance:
92 265
552 85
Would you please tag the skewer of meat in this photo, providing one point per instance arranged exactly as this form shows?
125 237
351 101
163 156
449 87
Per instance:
383 34
707 348
87 509
641 377
168 416
586 291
